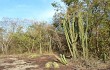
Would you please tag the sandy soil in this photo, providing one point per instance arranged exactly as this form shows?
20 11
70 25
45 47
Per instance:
24 63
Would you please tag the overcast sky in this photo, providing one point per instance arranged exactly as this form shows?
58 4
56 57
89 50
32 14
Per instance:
27 9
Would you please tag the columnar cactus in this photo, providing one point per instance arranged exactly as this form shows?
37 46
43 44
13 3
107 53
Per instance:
83 34
71 36
72 33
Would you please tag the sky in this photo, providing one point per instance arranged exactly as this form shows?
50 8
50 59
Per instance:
40 10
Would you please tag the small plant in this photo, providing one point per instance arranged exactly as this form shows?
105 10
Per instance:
48 65
63 59
104 57
56 65
51 65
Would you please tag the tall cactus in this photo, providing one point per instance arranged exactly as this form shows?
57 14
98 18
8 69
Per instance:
83 34
72 33
71 36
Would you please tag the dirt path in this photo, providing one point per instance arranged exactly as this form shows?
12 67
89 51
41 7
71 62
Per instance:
13 63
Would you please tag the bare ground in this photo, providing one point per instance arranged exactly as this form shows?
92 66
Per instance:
13 62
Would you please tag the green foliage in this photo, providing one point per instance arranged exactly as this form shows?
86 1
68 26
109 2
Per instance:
83 29
69 2
35 38
92 26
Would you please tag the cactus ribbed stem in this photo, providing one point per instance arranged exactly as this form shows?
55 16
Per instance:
71 37
83 35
